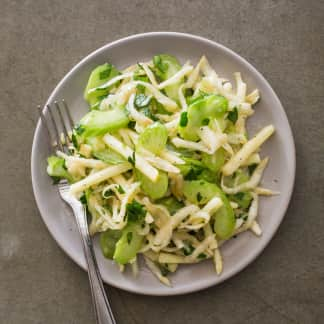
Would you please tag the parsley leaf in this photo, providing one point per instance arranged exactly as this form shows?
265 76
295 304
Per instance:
148 113
239 195
132 159
142 101
183 119
108 193
75 141
120 189
233 115
188 249
135 212
252 167
164 270
194 172
83 199
79 129
202 256
131 124
188 92
55 179
205 122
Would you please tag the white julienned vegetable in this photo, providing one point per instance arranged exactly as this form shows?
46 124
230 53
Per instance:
99 176
248 148
195 146
140 163
113 81
212 139
164 234
177 226
202 217
159 163
176 78
250 184
149 74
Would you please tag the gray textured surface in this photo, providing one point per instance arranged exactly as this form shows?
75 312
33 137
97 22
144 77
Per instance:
41 40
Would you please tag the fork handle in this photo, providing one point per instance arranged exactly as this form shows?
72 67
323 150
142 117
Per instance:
103 312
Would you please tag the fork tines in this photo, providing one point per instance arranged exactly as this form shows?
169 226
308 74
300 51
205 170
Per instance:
63 185
58 124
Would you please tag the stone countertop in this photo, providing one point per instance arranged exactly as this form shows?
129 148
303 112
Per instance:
42 39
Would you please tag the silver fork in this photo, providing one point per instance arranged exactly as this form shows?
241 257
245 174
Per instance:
102 309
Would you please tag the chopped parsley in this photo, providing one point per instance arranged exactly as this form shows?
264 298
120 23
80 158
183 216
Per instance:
243 216
141 100
135 212
202 256
120 189
183 119
252 167
108 193
132 124
83 199
188 249
148 113
75 141
79 129
188 92
194 172
239 195
55 179
205 121
132 159
233 115
164 270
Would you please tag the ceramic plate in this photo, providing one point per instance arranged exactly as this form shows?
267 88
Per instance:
279 175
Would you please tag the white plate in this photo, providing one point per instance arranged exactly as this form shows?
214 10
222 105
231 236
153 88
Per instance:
279 175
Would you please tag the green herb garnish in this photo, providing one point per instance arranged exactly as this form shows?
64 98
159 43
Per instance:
120 189
184 119
233 115
135 212
164 270
75 141
205 122
83 199
79 129
108 193
188 92
252 167
142 101
188 249
202 256
132 159
239 195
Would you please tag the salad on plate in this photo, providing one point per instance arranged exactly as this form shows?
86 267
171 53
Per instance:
164 163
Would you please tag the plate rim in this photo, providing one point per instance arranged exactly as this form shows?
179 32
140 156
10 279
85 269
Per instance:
231 272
